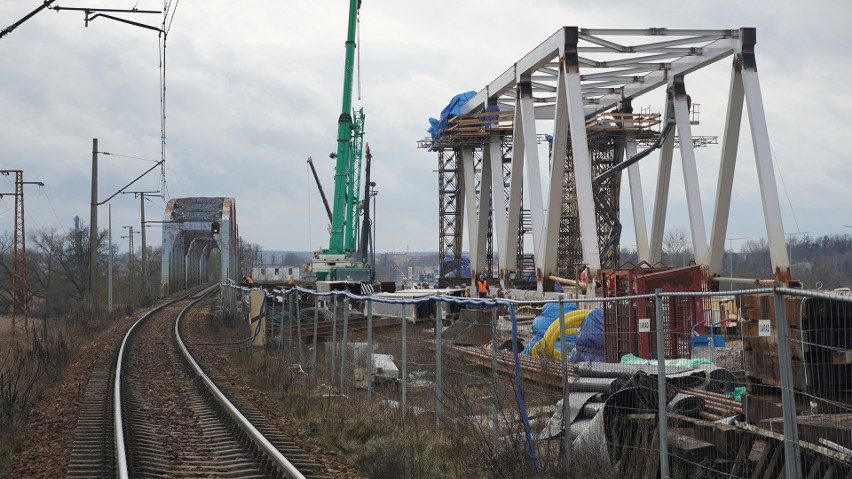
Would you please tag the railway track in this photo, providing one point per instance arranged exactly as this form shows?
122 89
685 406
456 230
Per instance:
154 412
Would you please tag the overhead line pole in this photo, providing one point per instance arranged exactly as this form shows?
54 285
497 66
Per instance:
93 229
19 249
141 196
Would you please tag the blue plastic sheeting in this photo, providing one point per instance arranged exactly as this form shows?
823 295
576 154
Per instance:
570 341
450 266
548 315
452 109
590 338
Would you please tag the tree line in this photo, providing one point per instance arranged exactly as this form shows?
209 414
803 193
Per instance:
58 266
817 261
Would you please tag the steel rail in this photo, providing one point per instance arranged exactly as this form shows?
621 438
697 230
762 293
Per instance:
271 451
120 450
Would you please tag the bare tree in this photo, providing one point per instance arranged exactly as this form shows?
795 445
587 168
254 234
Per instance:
250 256
5 272
48 248
677 248
292 259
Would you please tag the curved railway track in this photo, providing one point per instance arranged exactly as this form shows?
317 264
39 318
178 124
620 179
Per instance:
154 412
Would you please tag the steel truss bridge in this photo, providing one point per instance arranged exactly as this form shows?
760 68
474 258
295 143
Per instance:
583 83
200 242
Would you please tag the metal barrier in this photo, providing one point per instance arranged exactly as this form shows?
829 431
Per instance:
764 390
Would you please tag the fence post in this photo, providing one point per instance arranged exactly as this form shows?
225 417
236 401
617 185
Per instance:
343 343
792 461
662 404
495 428
334 340
369 351
438 326
299 328
278 338
565 445
289 325
404 360
316 325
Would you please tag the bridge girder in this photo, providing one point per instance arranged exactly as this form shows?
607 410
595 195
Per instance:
571 79
189 242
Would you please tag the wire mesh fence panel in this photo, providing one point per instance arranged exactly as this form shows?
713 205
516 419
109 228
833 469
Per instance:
752 383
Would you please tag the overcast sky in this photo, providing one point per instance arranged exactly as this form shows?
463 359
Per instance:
254 88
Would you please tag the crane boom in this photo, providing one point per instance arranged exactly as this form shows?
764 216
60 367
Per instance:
341 238
319 185
337 261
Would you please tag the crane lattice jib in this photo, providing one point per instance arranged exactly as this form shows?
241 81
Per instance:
354 187
342 171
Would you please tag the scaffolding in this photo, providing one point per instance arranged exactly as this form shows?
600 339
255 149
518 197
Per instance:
606 138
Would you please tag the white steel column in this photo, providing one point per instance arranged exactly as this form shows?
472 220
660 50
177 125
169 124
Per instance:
765 172
730 143
637 201
582 174
690 177
492 153
550 249
661 200
515 195
533 172
468 170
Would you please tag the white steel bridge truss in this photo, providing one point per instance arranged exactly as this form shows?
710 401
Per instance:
576 74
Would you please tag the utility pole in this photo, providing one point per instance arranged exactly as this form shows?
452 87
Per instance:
141 195
93 230
19 250
130 248
93 250
109 263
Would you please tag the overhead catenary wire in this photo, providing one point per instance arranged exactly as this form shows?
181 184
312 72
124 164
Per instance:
784 185
164 32
161 50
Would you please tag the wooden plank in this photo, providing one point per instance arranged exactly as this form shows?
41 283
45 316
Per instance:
833 427
767 368
764 458
762 306
841 357
758 408
838 456
773 463
652 462
725 438
815 468
741 461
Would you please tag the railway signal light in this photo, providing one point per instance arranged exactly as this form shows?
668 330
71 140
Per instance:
214 227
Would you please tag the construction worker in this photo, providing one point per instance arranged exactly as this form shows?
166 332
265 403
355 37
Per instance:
482 286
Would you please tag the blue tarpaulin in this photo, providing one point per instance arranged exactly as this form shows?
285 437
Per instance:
548 315
590 338
452 109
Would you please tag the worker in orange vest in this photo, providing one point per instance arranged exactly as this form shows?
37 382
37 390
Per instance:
482 286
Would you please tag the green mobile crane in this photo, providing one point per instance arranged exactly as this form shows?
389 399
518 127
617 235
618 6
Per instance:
337 262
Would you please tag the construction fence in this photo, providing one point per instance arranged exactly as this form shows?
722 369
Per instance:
754 383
